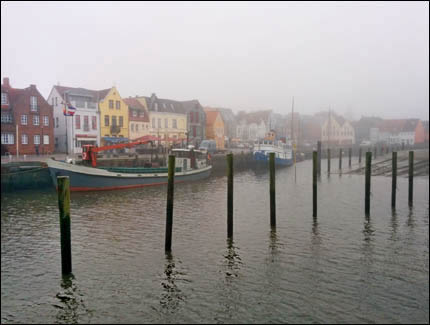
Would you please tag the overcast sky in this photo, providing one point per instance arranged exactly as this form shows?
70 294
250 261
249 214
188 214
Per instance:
367 59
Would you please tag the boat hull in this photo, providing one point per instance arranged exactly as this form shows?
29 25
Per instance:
261 157
91 179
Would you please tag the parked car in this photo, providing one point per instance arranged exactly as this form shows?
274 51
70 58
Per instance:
209 146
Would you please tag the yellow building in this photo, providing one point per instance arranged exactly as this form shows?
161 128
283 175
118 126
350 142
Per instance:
215 128
165 121
113 116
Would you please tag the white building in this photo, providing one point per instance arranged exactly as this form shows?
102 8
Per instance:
71 132
253 126
337 130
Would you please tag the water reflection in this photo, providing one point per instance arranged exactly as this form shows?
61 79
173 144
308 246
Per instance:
71 305
172 297
394 224
232 260
411 219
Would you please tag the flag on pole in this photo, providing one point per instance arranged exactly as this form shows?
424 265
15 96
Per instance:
69 110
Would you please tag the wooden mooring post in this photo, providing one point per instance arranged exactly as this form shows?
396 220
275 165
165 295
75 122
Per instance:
272 190
169 208
328 161
349 154
411 178
340 159
319 158
375 149
394 180
63 184
230 195
359 155
367 183
314 183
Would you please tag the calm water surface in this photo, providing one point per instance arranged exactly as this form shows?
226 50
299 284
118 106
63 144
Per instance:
342 268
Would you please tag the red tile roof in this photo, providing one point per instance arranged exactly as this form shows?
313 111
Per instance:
397 126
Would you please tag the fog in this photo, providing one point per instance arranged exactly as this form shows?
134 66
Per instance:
359 59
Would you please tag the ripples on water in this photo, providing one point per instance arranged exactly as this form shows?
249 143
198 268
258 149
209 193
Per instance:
340 268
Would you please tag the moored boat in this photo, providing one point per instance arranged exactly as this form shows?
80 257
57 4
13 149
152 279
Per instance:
283 151
191 165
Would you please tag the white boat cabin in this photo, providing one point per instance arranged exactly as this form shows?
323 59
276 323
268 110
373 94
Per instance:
189 159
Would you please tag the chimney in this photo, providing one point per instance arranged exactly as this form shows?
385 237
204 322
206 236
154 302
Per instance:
33 86
6 82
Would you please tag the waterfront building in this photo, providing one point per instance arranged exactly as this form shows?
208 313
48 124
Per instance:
26 121
196 120
253 126
138 117
166 120
113 117
215 129
336 130
399 131
71 132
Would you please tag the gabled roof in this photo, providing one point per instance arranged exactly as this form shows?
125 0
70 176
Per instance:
77 91
134 104
211 116
254 117
400 125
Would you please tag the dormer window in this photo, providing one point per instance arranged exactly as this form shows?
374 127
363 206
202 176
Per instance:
4 100
156 107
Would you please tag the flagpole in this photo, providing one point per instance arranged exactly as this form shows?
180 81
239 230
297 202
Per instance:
65 121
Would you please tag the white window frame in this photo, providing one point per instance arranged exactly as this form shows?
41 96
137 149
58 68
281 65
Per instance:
36 120
4 100
36 136
45 120
24 119
46 139
33 103
7 138
24 139
6 118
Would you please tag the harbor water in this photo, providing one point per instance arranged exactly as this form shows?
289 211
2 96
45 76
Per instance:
343 267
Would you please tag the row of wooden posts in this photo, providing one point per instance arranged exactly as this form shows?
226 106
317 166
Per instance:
64 197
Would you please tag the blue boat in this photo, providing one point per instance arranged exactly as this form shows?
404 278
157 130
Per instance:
283 151
191 165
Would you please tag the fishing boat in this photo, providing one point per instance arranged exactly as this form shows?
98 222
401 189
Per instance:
283 150
191 165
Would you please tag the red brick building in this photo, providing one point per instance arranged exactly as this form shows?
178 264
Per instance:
26 121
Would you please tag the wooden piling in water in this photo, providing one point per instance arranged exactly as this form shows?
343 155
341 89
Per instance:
230 195
169 208
319 157
367 183
411 178
349 154
63 183
328 161
394 180
340 159
314 183
375 149
272 190
359 155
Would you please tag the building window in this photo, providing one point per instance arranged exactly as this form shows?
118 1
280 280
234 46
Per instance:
24 139
6 118
142 114
153 122
106 120
94 122
52 101
197 117
174 125
134 113
45 120
137 127
7 138
118 104
24 120
159 123
114 120
56 101
171 105
166 123
56 122
86 123
4 99
35 119
111 103
46 139
78 122
156 107
36 139
191 117
121 121
33 103
132 127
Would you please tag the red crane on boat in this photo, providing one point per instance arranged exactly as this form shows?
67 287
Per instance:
89 151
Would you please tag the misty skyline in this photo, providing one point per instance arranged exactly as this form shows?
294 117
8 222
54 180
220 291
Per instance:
369 59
